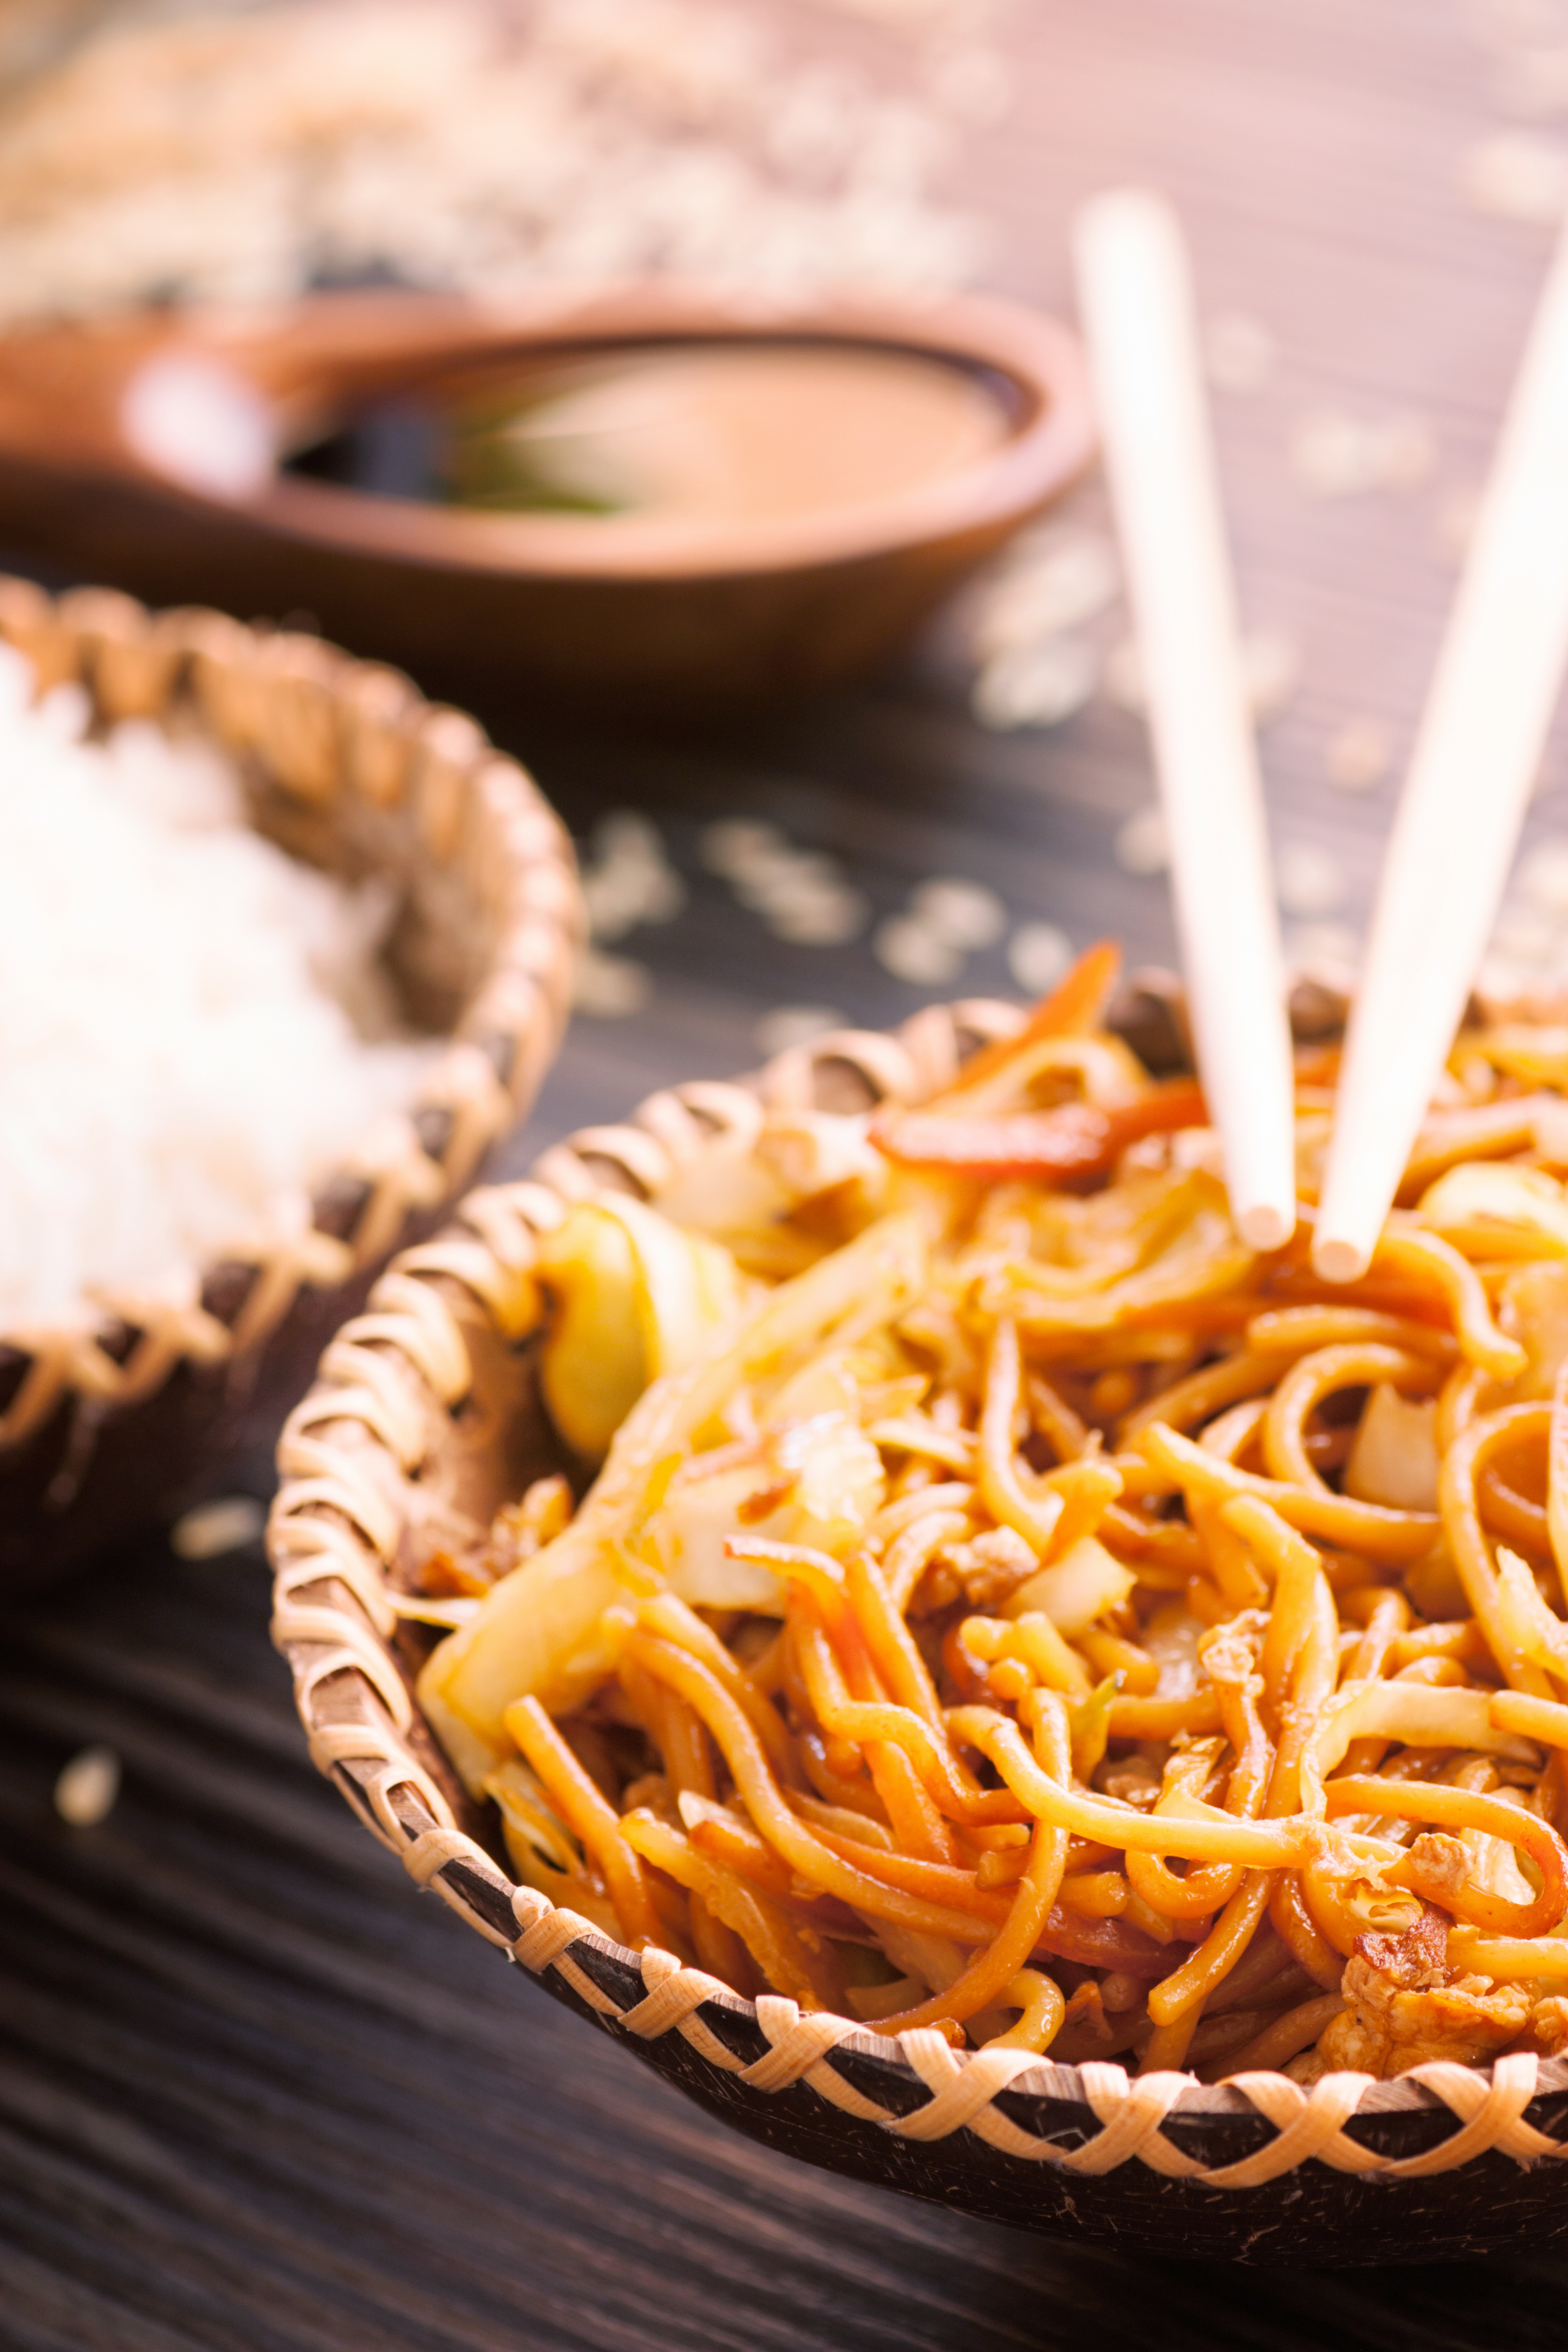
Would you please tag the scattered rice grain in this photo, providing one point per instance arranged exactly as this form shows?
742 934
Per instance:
1052 580
609 987
1310 880
1271 671
1361 754
809 914
1142 844
1542 880
802 895
1516 176
966 914
627 878
1037 956
489 146
1327 952
732 846
912 950
89 1787
1239 352
1456 526
1036 686
1526 935
213 1529
1336 456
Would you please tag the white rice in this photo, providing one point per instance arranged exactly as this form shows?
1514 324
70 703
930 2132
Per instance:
178 1062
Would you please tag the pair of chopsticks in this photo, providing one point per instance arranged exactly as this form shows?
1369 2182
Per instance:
1477 751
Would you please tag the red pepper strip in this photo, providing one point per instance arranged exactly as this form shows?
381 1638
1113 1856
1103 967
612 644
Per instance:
1073 1008
1073 1139
1104 1944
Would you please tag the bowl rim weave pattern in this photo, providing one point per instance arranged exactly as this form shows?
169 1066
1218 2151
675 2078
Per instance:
352 1456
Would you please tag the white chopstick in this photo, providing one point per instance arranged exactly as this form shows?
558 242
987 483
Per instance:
1136 301
1482 733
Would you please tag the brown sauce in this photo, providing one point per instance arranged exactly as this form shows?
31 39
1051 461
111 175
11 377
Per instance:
711 435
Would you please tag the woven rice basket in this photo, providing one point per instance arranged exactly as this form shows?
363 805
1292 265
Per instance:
146 1404
427 1413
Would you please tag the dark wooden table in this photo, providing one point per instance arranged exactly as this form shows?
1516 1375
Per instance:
256 2096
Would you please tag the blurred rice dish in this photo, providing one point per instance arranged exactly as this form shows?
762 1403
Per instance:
194 1027
488 145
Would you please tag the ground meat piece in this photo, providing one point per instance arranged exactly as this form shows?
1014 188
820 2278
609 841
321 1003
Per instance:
1400 2011
1130 1779
1415 1958
989 1567
1548 2026
1439 1867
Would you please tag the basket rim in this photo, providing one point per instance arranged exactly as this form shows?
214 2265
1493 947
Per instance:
333 1535
303 728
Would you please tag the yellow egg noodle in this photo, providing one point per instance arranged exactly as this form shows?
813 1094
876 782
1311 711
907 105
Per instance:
1005 1603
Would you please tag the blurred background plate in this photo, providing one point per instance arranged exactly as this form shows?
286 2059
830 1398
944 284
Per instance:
150 451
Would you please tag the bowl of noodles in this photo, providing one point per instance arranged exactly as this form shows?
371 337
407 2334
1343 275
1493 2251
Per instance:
859 1581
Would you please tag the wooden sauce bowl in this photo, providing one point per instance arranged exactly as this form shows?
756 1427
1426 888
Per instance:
765 607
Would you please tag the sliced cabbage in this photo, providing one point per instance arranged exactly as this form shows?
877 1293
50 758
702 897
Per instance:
1538 1632
1172 1637
1418 1715
635 1298
1534 1310
1492 1201
1077 1589
543 1629
1537 1054
1394 1459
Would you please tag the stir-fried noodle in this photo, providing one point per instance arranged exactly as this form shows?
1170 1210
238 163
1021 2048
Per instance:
1009 1604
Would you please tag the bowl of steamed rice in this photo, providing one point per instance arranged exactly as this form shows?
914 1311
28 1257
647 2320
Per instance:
863 1584
283 951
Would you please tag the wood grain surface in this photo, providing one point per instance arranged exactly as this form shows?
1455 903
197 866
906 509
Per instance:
256 2096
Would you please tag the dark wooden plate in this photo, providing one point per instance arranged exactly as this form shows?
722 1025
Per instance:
768 610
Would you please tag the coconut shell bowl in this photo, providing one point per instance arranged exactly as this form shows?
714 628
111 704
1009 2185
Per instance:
153 451
141 1406
427 1416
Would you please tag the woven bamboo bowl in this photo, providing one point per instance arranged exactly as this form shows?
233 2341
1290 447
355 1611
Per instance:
427 1416
147 1404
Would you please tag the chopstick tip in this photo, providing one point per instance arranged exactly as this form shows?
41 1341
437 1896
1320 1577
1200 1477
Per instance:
1263 1226
1336 1259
